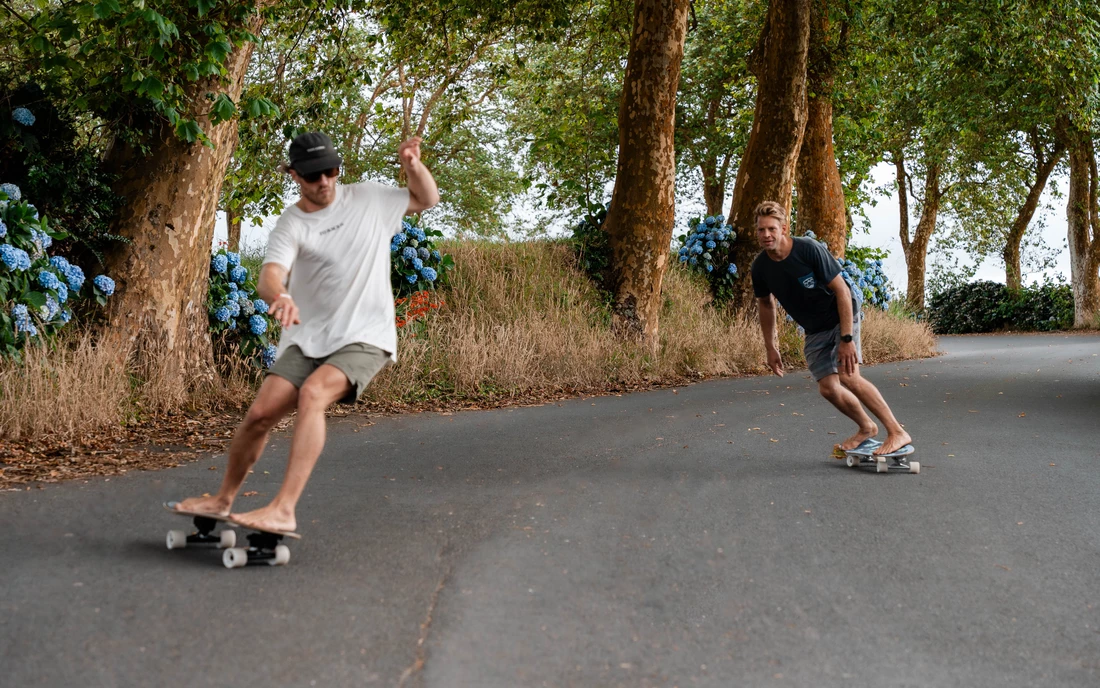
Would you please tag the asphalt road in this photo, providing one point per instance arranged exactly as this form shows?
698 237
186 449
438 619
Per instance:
700 536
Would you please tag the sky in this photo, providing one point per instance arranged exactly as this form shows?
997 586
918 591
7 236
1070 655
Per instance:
883 217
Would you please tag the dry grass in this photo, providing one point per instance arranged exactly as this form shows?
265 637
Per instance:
520 322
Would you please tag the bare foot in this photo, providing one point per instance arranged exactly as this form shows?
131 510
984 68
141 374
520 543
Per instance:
894 442
268 518
858 438
215 505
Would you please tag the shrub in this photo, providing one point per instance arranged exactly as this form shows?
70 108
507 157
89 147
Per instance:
591 244
416 264
238 316
987 306
702 250
37 291
863 270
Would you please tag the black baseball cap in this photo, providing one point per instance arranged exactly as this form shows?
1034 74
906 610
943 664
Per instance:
313 152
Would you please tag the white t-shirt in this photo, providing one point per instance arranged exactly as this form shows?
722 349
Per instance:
339 263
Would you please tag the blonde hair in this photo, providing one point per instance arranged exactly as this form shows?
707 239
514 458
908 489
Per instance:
771 209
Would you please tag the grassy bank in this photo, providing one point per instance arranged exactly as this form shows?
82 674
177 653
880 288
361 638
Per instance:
520 323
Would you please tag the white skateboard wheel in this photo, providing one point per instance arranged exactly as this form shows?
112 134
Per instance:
229 539
235 557
881 467
177 539
282 556
850 461
914 466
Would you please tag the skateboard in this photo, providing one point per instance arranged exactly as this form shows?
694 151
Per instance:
864 456
264 546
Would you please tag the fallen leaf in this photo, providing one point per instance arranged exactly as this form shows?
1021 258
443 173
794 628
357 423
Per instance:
1022 415
250 493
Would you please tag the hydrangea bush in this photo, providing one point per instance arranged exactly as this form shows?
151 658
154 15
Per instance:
238 316
591 244
986 306
863 270
416 264
37 290
704 249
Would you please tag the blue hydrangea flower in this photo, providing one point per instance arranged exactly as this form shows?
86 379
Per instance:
3 229
268 355
257 324
711 244
233 307
406 225
62 292
693 260
219 263
710 221
41 238
74 276
411 279
234 259
811 235
50 309
429 274
247 309
15 258
418 264
436 255
733 269
418 233
697 249
409 252
423 253
399 238
683 258
239 274
59 262
23 116
260 305
48 280
105 284
12 191
222 314
22 320
709 267
66 316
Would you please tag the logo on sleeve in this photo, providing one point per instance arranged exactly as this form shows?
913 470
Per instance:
808 281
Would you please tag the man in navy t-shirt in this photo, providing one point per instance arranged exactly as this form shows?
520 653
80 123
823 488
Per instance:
807 281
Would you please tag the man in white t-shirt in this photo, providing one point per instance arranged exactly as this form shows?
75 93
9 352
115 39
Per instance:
336 312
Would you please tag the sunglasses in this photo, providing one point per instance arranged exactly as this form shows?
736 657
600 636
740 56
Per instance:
312 177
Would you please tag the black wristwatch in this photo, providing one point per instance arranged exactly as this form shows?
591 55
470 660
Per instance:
846 338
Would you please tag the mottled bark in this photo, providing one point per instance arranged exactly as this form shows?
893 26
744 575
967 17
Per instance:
916 248
1043 168
714 173
640 219
768 166
1081 216
171 192
821 205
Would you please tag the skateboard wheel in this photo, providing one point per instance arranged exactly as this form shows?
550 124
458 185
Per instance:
881 467
282 556
235 557
177 539
914 466
850 461
229 538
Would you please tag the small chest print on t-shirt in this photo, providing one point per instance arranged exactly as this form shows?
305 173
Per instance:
330 229
808 281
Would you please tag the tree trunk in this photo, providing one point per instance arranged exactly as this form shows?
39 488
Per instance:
767 168
1011 252
916 249
714 186
640 219
171 194
233 228
820 193
1084 245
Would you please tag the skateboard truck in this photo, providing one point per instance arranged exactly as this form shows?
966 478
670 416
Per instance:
203 535
262 547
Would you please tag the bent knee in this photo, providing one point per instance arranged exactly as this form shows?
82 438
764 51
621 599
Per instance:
317 395
262 417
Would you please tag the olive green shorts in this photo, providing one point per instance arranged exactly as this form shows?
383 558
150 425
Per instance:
359 362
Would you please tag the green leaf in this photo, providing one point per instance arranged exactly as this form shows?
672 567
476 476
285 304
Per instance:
188 130
35 298
223 110
205 6
106 8
218 50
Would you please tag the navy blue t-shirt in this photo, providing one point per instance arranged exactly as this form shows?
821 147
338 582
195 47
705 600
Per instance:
799 283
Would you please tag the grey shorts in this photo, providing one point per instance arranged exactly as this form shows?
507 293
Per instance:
822 351
359 362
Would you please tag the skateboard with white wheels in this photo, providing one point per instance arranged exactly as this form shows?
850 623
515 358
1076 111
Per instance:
264 546
864 456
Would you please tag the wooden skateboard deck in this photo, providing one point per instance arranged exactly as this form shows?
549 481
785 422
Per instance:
263 545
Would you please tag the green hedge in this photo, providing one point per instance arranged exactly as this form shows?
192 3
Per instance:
989 306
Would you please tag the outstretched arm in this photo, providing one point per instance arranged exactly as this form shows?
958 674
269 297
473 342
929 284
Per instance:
423 192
